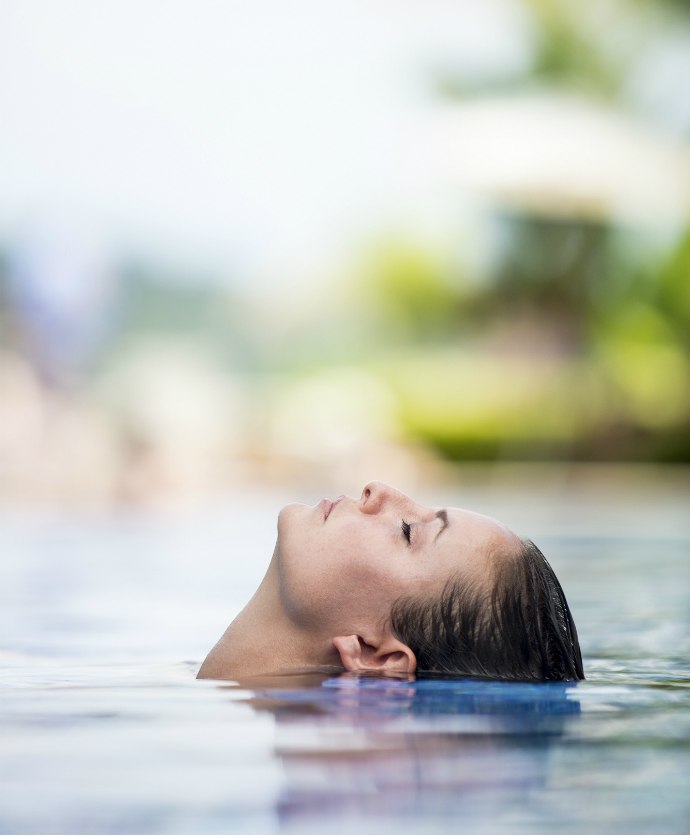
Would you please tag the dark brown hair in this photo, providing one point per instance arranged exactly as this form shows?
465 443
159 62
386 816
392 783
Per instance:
517 627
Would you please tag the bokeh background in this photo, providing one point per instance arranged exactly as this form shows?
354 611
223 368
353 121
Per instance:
259 244
265 251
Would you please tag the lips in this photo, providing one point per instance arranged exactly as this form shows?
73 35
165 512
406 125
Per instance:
329 506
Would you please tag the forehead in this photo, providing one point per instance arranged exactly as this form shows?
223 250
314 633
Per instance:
472 538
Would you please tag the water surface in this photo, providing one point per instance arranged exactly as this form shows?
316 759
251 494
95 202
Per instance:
104 729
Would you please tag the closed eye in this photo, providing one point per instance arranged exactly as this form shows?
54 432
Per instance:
406 530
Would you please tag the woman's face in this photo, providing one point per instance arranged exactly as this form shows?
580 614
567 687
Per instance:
343 563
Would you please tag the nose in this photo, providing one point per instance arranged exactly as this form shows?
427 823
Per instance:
376 496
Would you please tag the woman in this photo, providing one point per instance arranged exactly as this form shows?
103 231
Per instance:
384 584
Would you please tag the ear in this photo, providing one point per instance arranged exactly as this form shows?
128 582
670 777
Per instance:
390 656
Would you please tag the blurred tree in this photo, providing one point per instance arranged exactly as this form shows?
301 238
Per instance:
673 288
410 292
550 266
569 49
188 308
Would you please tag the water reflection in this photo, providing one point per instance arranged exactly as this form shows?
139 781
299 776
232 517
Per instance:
396 747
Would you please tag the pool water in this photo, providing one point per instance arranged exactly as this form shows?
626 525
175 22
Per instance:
105 619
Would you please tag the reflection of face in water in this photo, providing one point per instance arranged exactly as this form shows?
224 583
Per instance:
374 746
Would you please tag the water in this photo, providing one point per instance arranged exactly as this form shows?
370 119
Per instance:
105 619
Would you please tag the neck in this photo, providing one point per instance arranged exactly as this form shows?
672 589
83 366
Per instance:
262 640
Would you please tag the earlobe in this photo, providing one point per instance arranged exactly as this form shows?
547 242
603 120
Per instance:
391 656
396 657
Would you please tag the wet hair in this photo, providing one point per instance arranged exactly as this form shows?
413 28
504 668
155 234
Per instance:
518 627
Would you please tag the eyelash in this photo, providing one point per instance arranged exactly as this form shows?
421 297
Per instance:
407 531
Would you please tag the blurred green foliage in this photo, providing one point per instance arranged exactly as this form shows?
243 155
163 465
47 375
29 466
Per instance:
558 337
409 292
574 342
569 48
566 349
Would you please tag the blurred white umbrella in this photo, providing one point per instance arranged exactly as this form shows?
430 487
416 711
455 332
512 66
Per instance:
560 155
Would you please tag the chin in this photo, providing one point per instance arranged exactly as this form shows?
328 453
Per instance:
288 515
292 508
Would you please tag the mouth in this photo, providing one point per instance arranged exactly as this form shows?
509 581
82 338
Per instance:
329 506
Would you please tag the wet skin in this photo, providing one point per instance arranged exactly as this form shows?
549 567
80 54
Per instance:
345 560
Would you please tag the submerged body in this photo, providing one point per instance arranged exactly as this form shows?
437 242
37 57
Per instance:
384 583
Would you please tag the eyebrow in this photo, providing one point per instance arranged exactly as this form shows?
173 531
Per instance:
443 516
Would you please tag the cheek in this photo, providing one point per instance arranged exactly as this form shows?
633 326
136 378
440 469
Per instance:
315 568
338 575
366 572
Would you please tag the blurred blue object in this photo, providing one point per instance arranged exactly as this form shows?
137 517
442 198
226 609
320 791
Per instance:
61 288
